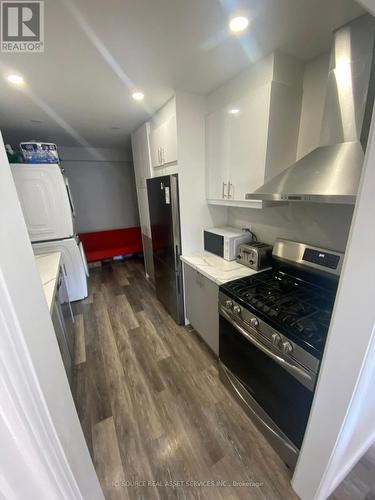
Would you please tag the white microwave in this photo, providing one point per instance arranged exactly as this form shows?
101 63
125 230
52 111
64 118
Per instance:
224 241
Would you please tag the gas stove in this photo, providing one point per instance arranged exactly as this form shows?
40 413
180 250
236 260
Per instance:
298 309
295 297
273 327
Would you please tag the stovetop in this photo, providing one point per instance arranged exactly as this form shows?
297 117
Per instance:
296 308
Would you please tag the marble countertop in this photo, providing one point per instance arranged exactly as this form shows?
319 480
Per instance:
215 268
49 267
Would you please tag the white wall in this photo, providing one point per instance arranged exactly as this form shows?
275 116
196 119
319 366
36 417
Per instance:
314 89
103 187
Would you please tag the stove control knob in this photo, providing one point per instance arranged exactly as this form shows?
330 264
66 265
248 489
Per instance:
228 304
287 347
237 310
276 339
254 322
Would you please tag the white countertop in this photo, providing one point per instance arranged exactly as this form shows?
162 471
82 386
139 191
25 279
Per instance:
215 268
49 267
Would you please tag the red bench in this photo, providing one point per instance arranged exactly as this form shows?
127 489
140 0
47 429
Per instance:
102 245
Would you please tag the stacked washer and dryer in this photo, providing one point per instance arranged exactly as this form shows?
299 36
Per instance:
48 208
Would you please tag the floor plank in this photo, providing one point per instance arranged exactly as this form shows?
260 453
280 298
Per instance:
79 347
108 461
360 482
148 395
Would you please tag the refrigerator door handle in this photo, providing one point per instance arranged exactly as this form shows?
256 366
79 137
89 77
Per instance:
177 255
177 243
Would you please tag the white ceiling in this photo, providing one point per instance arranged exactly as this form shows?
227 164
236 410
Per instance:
97 51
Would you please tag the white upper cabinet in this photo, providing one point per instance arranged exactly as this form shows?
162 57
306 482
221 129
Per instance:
155 146
251 132
236 146
248 143
163 140
141 155
217 154
169 140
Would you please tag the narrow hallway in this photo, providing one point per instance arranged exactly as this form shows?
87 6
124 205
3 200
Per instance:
152 406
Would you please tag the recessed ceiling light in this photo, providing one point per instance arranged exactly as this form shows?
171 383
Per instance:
234 111
238 24
138 96
36 121
15 79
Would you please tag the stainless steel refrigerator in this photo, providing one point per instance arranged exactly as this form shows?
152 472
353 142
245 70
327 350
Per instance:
164 209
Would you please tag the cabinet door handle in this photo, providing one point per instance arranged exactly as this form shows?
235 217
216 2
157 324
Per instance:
223 195
230 194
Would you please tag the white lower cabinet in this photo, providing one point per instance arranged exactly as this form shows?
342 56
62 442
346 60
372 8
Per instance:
62 319
201 302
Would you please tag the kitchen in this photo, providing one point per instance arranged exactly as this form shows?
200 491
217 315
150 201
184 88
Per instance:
162 390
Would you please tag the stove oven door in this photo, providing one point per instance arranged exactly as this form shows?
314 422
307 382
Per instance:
268 386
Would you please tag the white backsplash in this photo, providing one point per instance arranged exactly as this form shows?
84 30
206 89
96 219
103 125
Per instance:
325 226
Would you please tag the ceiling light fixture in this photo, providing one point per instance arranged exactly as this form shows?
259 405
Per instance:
238 24
234 111
138 96
15 79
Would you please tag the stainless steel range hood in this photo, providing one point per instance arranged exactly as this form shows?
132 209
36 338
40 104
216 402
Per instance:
331 173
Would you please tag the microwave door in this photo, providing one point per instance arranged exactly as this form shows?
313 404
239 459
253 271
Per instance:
214 243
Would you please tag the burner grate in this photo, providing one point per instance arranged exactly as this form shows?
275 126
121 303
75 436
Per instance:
292 305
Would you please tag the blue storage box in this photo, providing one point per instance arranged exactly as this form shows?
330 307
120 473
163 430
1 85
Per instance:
39 152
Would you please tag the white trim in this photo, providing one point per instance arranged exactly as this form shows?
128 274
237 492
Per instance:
18 378
345 470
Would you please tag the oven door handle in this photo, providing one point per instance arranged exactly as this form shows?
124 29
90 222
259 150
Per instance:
300 374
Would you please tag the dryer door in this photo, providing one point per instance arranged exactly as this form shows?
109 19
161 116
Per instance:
44 199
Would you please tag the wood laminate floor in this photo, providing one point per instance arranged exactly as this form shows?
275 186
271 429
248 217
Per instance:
151 404
360 482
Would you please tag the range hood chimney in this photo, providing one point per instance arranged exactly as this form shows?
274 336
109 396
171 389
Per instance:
331 173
